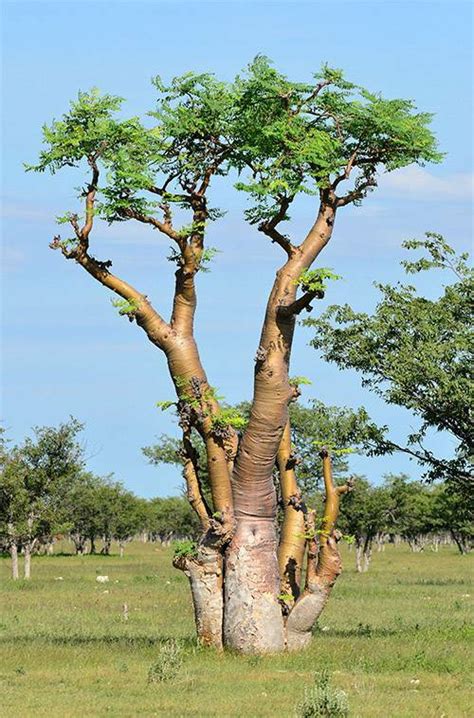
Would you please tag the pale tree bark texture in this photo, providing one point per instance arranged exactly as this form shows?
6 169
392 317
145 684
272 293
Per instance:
244 574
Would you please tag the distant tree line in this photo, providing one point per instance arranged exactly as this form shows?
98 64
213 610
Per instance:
46 493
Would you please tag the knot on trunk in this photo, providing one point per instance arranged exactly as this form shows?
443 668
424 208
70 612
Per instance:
261 354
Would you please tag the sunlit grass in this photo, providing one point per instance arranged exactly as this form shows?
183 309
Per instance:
395 639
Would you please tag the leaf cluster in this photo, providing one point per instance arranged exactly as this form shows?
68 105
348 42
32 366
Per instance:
415 353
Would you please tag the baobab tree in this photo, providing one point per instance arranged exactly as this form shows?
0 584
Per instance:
327 138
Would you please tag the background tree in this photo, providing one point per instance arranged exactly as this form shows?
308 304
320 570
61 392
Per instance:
454 514
327 138
410 510
365 515
416 353
34 481
171 518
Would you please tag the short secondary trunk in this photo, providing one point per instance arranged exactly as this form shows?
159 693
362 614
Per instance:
205 574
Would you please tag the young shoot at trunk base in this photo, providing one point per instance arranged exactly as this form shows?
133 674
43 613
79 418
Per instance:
275 139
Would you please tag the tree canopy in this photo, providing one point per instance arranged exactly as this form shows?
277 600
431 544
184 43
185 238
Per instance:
416 353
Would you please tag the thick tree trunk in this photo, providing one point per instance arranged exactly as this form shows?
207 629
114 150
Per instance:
121 548
319 582
253 620
205 574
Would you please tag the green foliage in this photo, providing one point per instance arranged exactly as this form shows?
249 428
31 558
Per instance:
340 430
299 137
207 256
322 700
416 353
332 450
299 381
184 549
440 256
228 416
171 515
168 663
315 280
365 511
164 405
34 480
125 307
283 137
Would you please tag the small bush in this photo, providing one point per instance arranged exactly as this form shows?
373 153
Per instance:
168 664
323 701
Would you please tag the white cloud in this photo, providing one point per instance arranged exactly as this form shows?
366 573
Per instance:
418 184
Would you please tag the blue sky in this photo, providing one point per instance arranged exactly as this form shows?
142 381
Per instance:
65 349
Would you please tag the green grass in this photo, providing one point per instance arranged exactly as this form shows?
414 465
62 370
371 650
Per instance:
395 639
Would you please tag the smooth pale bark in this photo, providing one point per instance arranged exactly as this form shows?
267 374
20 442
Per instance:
79 544
310 605
292 544
253 616
205 574
14 557
254 627
13 546
27 561
323 563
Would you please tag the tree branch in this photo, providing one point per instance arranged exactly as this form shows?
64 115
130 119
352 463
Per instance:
292 541
269 227
146 316
190 473
303 302
355 194
164 227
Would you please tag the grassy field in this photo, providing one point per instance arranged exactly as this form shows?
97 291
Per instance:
395 639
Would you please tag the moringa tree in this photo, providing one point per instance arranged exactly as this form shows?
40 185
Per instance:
327 138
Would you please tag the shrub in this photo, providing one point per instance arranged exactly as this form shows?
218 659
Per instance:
322 700
168 664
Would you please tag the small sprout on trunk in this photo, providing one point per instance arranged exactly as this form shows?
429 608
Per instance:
126 308
164 405
185 549
315 280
